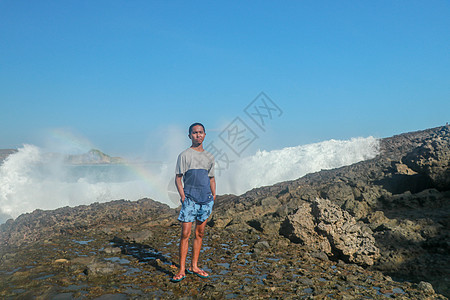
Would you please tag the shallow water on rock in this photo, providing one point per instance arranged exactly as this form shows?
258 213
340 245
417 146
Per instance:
82 242
118 260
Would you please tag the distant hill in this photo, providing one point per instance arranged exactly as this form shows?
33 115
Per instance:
94 156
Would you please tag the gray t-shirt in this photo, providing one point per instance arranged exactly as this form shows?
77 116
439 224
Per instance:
196 168
191 159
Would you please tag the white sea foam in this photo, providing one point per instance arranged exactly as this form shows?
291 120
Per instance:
31 179
269 167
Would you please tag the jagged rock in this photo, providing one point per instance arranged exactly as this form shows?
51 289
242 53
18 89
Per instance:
358 209
429 198
326 227
340 192
349 240
403 169
432 158
300 227
40 224
377 219
426 287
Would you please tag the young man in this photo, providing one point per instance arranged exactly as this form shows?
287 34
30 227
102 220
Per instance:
196 167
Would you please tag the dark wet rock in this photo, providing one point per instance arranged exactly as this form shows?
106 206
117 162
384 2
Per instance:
99 268
139 236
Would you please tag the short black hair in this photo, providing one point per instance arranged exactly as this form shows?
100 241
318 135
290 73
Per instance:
195 124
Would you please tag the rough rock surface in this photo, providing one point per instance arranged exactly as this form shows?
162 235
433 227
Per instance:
432 159
301 227
326 227
39 224
406 207
126 249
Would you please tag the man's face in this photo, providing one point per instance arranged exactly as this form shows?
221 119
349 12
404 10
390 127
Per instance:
197 135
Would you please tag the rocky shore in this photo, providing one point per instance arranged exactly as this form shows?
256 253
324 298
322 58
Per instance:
373 230
4 153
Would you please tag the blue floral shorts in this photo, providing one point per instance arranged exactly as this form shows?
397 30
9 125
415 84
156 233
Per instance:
191 211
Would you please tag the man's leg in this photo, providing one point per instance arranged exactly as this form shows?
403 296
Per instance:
184 244
199 233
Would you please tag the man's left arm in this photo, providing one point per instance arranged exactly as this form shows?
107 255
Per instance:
212 183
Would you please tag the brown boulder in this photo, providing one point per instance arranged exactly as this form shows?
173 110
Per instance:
432 158
324 226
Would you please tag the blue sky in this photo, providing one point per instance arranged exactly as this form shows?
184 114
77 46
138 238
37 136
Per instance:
126 76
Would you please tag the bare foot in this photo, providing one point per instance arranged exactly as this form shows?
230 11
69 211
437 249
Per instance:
199 272
178 277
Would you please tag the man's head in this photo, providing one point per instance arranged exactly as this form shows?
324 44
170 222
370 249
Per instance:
196 124
197 133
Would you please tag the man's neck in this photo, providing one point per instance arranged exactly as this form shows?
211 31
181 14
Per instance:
198 148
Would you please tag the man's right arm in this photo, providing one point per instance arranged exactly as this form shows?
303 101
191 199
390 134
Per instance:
179 185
